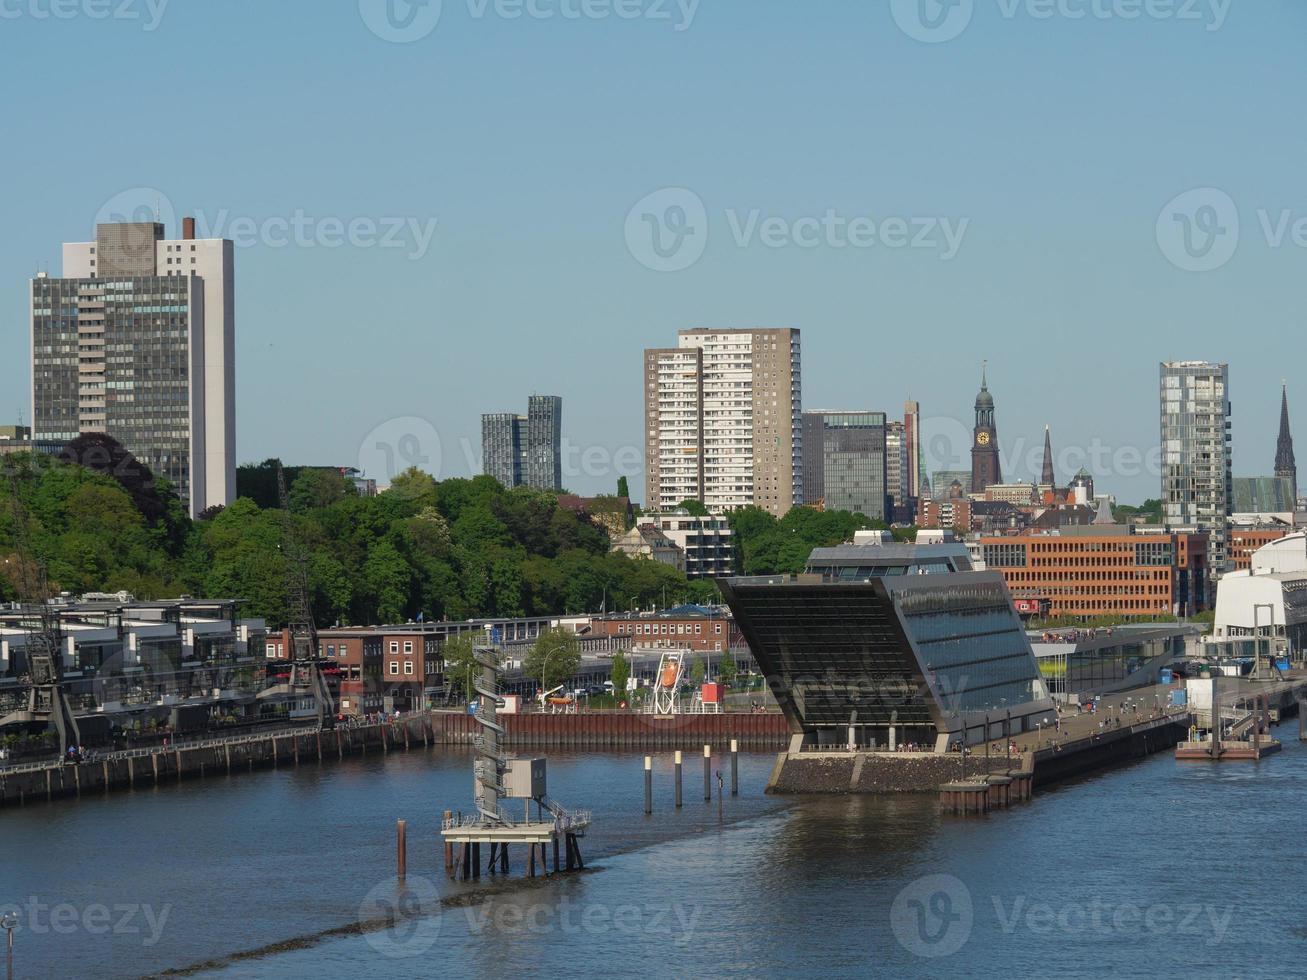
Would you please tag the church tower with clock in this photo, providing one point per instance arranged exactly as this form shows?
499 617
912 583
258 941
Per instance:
985 469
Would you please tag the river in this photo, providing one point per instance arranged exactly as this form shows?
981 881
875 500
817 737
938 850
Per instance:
1156 869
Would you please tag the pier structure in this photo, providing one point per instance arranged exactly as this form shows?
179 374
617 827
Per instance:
496 778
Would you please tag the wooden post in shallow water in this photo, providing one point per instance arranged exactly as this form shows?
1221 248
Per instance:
678 778
707 773
648 785
401 842
735 767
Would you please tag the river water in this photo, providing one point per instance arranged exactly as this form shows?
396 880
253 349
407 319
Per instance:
1157 869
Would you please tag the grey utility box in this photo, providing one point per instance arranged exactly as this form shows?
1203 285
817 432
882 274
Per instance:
525 779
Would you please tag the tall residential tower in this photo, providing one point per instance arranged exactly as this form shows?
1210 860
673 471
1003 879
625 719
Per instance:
1197 480
723 420
137 340
525 449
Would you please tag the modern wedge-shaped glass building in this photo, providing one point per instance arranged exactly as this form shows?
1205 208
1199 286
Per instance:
884 636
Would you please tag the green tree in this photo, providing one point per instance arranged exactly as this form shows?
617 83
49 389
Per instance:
726 669
623 488
621 673
460 665
317 488
554 658
696 671
693 507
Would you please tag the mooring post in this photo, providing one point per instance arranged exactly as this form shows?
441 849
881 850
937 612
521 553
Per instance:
449 845
735 767
1302 721
678 778
476 860
648 785
401 834
707 773
555 854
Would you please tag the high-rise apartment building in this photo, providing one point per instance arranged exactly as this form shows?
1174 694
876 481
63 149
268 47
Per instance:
544 442
137 340
501 447
914 473
526 449
896 468
723 420
1197 479
844 461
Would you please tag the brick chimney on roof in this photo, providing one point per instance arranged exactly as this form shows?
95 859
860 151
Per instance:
188 229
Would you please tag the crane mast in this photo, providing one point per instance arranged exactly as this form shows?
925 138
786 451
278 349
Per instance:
47 700
305 653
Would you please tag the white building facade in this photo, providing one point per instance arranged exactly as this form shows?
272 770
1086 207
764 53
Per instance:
723 413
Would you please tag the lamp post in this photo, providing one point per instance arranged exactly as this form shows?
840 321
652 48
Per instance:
9 922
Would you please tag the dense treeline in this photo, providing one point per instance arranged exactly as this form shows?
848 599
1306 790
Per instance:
766 545
455 549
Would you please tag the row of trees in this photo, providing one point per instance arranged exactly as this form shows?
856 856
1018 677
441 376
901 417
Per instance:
454 549
426 549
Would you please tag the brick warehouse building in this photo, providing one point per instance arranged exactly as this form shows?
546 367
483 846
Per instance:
380 668
687 627
1105 570
1244 541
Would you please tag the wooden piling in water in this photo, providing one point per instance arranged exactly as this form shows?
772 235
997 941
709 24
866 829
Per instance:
401 842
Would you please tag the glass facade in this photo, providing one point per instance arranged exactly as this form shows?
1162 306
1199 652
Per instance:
924 653
844 461
115 356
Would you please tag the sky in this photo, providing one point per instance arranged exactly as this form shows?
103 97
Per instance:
441 209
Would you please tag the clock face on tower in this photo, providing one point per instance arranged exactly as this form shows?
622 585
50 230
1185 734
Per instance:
982 439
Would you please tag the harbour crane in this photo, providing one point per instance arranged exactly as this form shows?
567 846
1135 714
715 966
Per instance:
304 653
47 701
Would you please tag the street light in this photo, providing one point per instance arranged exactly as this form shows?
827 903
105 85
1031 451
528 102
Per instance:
9 922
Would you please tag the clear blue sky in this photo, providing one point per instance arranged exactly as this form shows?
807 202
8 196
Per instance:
1058 140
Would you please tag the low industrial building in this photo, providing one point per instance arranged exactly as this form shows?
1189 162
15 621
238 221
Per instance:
127 662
